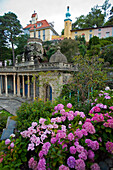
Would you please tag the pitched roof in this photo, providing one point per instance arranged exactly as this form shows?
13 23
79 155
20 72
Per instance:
43 24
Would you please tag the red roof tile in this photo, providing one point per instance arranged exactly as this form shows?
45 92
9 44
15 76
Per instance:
43 23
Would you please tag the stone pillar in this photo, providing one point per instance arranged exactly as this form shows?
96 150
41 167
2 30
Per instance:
6 89
14 85
28 95
23 86
0 85
18 85
34 89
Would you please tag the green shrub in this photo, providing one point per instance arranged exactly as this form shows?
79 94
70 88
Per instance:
29 112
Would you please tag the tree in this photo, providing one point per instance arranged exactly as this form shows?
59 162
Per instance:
11 28
106 5
107 53
20 42
69 48
95 17
110 19
90 74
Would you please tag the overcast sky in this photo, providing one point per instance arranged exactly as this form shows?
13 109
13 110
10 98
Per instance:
51 10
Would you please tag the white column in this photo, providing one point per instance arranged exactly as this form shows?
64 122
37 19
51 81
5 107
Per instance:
18 85
14 85
34 89
23 86
6 89
28 80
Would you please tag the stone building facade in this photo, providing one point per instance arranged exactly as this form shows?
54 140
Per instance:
31 78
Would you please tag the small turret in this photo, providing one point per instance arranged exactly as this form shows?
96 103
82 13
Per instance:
34 18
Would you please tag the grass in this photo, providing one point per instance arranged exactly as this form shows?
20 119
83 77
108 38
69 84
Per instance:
3 120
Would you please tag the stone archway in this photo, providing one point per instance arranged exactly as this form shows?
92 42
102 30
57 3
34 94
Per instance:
48 92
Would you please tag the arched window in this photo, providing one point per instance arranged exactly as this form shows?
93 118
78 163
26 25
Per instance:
48 92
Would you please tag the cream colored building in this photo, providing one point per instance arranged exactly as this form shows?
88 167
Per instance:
40 29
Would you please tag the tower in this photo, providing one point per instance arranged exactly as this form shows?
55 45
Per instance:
67 24
34 18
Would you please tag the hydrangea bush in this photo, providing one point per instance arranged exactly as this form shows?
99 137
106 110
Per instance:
70 140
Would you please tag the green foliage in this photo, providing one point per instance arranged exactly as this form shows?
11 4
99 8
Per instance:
107 53
16 157
11 28
90 74
29 112
93 41
69 48
96 17
20 42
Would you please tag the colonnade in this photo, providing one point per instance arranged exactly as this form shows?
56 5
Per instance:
16 85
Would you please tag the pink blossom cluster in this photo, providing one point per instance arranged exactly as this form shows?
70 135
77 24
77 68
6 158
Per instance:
109 123
102 106
109 147
32 164
94 145
41 164
89 127
91 154
111 108
63 167
79 164
8 141
98 117
95 109
95 166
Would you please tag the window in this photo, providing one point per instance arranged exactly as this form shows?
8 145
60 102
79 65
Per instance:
39 24
99 35
99 29
43 34
75 32
75 37
90 30
90 36
107 34
39 34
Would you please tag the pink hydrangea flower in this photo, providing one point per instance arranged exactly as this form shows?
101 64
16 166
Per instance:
80 148
70 116
107 97
53 140
63 167
60 106
80 164
91 154
89 127
31 147
109 147
41 164
82 155
12 145
7 141
32 163
95 166
72 150
34 124
71 162
69 105
42 120
111 108
70 136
